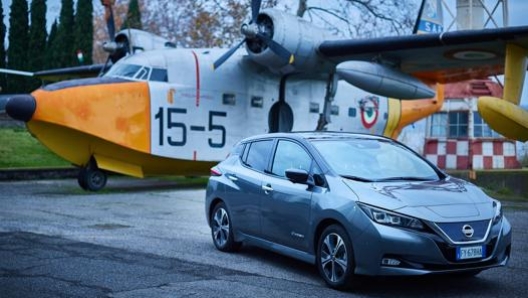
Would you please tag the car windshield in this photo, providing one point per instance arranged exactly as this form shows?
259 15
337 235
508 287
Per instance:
366 160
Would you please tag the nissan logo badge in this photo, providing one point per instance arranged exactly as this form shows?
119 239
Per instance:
468 231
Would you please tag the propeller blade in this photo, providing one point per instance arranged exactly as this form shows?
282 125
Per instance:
111 25
277 48
109 16
255 9
227 54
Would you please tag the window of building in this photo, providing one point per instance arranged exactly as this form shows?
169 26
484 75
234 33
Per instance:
450 125
481 128
439 125
458 124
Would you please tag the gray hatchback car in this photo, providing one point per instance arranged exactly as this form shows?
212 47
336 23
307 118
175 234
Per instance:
353 204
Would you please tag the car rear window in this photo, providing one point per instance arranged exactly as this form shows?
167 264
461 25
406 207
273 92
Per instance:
257 156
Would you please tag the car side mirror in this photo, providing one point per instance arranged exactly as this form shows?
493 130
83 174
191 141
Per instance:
297 175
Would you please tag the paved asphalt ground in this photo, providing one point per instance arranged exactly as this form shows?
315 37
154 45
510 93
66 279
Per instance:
149 238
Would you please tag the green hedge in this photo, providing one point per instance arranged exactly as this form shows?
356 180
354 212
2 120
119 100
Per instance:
502 182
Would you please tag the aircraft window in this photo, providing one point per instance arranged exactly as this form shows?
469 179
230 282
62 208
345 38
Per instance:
314 107
257 101
228 99
159 75
334 110
123 70
257 157
142 74
352 112
385 116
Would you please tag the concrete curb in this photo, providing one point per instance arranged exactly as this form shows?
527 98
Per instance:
37 174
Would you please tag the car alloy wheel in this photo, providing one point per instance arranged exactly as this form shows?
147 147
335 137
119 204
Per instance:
335 260
222 230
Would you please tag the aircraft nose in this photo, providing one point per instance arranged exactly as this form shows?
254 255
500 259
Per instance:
21 107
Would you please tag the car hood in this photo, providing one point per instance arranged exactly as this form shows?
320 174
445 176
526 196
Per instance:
443 200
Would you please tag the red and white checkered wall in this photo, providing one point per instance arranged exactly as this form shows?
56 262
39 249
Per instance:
473 154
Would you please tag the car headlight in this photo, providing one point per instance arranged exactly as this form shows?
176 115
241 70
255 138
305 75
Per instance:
391 219
497 207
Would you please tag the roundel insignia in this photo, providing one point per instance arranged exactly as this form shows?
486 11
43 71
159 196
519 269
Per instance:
369 111
472 55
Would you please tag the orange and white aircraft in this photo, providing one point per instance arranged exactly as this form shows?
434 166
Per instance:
168 112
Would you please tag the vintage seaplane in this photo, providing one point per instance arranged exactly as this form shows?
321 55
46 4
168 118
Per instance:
167 111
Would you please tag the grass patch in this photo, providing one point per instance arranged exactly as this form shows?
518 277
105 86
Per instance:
18 149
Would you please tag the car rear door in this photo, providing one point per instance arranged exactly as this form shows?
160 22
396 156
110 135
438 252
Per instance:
245 193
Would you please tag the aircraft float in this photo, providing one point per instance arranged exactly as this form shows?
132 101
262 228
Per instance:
172 111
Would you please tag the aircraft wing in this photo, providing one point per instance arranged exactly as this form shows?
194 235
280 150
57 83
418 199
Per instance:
60 74
444 57
68 73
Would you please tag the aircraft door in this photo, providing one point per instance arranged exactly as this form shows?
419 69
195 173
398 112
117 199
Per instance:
286 208
280 117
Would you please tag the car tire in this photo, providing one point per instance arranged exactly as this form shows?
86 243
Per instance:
222 229
335 258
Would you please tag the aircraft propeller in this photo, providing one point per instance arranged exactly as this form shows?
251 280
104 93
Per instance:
258 35
117 48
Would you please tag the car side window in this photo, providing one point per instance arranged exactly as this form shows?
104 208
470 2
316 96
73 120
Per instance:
290 155
258 153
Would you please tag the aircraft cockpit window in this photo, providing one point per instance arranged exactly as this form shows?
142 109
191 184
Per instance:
123 70
159 75
137 72
142 74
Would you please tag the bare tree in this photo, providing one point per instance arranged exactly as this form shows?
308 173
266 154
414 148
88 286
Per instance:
216 23
362 18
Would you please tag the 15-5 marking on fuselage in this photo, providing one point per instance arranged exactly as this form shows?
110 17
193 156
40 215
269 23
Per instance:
167 121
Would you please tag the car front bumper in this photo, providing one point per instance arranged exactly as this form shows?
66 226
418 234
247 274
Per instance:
386 250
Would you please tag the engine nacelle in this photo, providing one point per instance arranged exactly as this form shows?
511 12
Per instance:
296 35
134 40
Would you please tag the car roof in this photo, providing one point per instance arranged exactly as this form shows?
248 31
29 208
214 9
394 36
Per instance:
315 135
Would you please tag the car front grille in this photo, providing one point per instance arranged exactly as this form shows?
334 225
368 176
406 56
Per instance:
458 232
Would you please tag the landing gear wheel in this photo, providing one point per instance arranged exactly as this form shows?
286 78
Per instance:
222 229
80 179
335 259
92 179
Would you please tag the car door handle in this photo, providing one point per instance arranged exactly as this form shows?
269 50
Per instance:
267 188
232 177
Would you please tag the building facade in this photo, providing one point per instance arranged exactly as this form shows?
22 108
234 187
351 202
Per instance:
457 138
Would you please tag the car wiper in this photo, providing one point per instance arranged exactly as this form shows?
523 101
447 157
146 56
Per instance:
361 179
404 178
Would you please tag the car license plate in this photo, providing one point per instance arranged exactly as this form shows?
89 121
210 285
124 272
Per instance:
470 252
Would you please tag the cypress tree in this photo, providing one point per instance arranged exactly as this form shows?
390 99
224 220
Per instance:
84 30
37 39
18 45
133 19
65 37
2 50
52 48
